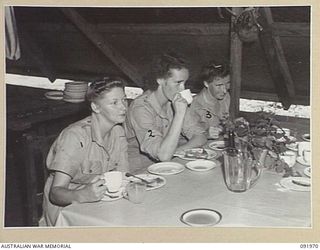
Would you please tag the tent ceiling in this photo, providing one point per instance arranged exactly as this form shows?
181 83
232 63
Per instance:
136 34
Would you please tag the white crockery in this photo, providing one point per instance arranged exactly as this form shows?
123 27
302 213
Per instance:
304 145
201 165
289 157
113 180
186 94
166 168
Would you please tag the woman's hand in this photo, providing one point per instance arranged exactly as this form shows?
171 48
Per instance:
93 191
61 195
214 132
179 104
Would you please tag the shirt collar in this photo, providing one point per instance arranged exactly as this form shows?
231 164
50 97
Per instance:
208 97
153 101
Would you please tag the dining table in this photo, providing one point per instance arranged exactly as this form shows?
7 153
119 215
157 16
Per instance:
266 204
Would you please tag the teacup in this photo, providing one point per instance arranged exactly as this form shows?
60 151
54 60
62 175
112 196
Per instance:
289 157
186 94
113 180
306 154
302 146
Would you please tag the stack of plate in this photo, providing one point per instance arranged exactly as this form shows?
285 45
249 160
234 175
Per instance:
75 91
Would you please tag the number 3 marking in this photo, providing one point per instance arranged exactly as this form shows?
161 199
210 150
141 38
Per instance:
208 115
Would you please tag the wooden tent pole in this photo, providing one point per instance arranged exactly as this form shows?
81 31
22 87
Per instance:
278 66
235 66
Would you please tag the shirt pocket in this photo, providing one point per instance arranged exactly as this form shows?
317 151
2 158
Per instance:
91 167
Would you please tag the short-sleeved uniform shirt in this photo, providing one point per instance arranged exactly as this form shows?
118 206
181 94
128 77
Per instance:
147 123
210 109
82 153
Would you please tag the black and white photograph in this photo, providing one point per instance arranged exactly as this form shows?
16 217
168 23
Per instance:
163 117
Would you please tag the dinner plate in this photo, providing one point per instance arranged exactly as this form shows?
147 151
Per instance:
160 181
116 195
307 171
291 183
218 145
201 165
291 139
54 95
201 217
302 161
74 100
210 154
306 137
292 146
166 168
76 95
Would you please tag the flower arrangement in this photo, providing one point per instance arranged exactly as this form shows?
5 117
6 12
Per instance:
266 140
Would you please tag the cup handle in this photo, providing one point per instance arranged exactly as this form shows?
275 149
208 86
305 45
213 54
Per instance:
258 167
125 194
303 153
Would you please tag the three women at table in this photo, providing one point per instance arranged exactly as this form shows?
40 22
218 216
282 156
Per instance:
159 122
213 102
87 149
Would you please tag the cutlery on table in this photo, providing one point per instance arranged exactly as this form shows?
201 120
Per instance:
157 180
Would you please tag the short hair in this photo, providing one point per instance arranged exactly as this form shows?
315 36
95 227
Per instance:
213 70
161 67
98 87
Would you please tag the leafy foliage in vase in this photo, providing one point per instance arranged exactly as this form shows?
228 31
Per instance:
266 139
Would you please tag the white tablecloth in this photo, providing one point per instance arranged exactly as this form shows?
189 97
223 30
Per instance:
267 204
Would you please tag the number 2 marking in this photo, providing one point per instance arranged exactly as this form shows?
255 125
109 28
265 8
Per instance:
150 133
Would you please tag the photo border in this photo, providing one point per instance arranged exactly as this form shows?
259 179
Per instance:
169 234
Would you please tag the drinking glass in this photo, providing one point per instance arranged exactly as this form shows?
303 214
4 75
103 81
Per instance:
136 191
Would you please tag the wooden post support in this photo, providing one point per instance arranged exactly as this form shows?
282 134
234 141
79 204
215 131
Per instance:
278 66
235 67
106 48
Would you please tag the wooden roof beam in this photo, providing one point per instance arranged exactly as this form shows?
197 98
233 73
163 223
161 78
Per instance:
278 66
189 29
106 48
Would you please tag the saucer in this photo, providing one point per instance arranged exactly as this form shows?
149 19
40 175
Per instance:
114 196
218 145
150 177
202 217
54 95
307 171
302 161
166 168
195 154
291 183
201 165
